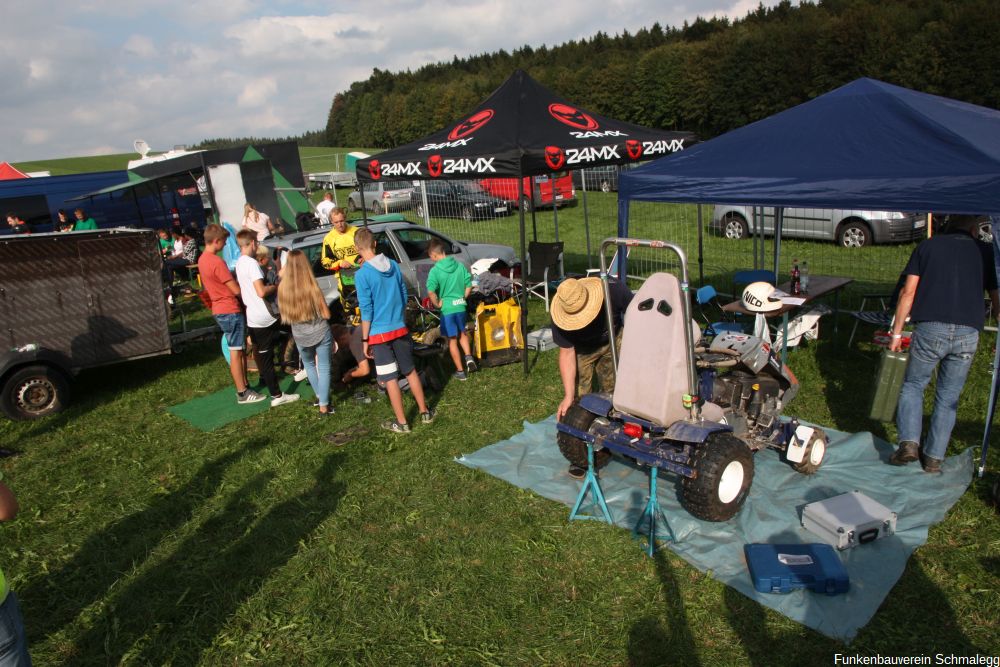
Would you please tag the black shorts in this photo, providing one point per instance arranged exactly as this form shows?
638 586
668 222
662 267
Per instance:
393 359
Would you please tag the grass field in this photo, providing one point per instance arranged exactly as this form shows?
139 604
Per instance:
144 541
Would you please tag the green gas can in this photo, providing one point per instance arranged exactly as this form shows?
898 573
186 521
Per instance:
891 369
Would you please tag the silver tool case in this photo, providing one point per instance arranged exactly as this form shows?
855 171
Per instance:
848 520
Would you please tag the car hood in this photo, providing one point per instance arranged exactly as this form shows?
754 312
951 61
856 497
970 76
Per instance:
483 250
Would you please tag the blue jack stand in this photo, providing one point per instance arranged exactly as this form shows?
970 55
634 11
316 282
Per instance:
590 482
650 514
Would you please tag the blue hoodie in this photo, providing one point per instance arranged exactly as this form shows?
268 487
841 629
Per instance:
381 294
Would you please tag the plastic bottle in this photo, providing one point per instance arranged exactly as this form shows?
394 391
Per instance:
796 283
804 277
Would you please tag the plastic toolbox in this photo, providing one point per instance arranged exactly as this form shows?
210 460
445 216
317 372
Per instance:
888 382
782 568
850 519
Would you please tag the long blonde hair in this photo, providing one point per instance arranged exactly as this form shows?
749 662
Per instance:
248 209
299 296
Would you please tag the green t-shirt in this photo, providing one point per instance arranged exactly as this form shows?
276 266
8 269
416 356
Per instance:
84 224
448 279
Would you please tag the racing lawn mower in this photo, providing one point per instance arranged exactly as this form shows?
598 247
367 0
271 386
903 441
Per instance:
700 412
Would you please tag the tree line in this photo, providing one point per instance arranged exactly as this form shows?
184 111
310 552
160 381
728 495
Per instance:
709 76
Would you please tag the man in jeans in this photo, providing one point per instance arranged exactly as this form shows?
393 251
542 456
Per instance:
943 297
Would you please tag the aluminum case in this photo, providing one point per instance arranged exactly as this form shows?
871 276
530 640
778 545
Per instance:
849 520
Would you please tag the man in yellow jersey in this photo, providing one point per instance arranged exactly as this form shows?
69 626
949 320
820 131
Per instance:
339 251
13 646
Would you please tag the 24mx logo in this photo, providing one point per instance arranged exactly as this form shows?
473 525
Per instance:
591 154
400 169
662 147
465 165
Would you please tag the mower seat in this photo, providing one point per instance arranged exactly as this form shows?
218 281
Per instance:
653 363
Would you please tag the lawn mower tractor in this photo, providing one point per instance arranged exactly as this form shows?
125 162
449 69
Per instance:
698 411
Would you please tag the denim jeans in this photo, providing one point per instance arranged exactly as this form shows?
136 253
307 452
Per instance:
13 646
316 361
950 348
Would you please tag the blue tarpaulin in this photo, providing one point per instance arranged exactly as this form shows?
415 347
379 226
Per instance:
772 513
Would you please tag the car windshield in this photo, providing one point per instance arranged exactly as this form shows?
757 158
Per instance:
470 187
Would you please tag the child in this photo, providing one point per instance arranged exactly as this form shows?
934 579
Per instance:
261 324
448 284
223 290
384 336
304 307
14 649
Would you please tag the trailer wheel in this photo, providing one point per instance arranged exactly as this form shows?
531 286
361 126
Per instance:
814 455
34 392
574 449
723 468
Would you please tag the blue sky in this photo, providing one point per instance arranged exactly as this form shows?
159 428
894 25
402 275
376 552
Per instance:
89 77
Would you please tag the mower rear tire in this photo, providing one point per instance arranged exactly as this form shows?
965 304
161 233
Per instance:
574 449
723 467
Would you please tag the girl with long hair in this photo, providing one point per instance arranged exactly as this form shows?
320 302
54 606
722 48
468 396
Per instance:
303 306
257 221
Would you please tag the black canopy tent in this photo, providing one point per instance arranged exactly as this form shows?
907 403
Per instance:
522 129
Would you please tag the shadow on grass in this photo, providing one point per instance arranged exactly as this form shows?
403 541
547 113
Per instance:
57 598
665 639
849 382
172 612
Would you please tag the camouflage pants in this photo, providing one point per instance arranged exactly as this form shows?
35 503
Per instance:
597 364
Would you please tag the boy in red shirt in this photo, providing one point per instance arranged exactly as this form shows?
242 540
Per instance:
223 290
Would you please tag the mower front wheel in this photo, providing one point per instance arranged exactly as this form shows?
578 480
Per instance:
723 467
813 457
575 449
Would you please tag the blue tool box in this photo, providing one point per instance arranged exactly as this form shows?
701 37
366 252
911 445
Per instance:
781 568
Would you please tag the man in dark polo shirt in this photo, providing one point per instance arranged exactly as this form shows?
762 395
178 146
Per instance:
943 297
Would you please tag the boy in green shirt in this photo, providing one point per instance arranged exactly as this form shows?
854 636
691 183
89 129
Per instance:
448 284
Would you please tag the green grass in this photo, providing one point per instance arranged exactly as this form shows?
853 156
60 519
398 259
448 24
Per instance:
144 541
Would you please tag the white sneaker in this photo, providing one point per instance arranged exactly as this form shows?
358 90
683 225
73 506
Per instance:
284 398
301 375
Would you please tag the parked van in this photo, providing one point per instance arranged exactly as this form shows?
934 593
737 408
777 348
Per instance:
548 188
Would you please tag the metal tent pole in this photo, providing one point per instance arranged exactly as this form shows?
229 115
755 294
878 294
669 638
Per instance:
701 249
779 215
586 216
524 279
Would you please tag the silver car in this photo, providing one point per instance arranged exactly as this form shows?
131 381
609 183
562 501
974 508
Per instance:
397 239
382 196
848 228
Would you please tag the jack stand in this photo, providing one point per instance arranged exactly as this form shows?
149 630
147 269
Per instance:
590 481
650 514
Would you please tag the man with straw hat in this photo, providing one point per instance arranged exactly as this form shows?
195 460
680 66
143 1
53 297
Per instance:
580 329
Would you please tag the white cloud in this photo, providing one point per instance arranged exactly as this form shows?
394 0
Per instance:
257 92
102 74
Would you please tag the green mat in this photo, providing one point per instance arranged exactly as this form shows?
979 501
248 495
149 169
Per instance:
208 413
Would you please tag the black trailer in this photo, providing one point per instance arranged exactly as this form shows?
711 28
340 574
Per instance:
73 301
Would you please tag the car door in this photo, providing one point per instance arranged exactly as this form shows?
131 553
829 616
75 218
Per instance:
327 279
414 262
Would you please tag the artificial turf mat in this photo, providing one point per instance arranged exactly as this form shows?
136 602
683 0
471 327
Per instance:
211 411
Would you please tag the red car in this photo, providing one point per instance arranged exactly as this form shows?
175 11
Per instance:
506 188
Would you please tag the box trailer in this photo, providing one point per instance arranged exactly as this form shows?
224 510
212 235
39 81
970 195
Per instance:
72 301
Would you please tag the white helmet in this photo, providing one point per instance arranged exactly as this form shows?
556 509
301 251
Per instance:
757 298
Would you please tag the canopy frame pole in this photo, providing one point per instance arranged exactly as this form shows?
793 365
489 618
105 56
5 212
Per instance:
701 249
586 217
524 277
992 405
779 215
755 221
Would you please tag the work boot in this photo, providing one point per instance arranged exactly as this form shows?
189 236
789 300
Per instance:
930 463
906 452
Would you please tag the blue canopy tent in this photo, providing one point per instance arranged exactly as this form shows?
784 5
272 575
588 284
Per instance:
865 145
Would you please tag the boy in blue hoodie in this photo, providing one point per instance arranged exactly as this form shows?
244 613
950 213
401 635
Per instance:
449 284
384 336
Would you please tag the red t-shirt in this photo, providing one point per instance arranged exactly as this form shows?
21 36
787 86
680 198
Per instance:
214 275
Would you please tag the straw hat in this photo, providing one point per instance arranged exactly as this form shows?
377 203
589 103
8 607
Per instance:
577 303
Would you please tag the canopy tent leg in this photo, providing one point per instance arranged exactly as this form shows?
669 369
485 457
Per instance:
701 249
586 217
779 215
992 405
555 209
524 291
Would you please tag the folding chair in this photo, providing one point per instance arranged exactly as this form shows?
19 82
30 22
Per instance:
707 296
879 318
543 260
